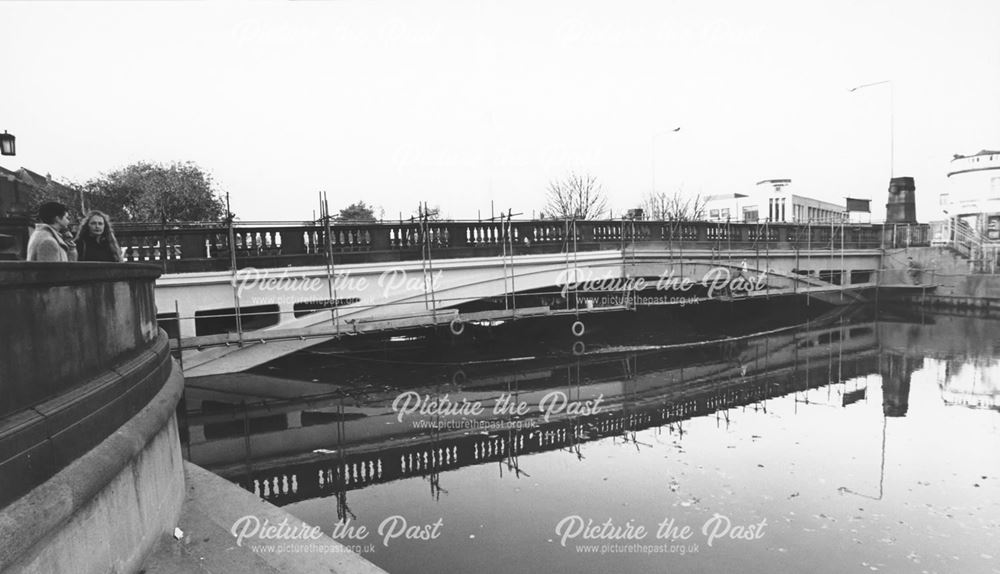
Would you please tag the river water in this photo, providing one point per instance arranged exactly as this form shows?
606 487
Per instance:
770 438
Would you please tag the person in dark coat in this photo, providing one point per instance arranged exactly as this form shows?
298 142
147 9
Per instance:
95 241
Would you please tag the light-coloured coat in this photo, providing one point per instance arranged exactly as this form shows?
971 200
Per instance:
47 244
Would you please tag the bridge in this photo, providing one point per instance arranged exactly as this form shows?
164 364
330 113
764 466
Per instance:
239 295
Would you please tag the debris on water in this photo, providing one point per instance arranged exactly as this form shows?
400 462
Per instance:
793 495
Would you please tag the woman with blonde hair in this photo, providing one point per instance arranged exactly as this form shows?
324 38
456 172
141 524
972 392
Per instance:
95 241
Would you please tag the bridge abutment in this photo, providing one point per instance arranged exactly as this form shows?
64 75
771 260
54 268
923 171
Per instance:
90 458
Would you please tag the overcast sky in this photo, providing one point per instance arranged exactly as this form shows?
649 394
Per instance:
457 103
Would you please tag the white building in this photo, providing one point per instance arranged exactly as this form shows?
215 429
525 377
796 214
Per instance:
772 200
973 192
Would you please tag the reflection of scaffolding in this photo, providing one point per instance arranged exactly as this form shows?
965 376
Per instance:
881 476
842 390
744 379
343 510
348 471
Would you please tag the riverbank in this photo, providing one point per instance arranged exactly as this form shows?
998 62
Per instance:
206 544
947 276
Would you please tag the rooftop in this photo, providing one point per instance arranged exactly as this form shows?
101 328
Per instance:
959 156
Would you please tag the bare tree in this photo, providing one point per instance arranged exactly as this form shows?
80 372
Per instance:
575 197
431 213
674 207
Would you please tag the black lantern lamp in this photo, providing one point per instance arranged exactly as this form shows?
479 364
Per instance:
6 144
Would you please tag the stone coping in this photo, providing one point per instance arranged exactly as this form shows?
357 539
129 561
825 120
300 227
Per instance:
21 274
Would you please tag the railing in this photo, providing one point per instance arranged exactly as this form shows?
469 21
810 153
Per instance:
967 242
185 247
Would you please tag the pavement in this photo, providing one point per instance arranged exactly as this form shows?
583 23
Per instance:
211 507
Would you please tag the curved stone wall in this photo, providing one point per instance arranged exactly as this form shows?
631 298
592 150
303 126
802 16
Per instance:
67 321
90 466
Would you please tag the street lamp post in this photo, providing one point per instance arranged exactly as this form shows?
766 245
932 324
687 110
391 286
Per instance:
892 122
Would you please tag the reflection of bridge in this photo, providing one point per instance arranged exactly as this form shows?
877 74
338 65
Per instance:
387 276
270 447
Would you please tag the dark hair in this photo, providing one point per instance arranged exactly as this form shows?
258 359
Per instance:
48 212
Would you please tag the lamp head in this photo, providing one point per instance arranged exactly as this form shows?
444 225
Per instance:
7 144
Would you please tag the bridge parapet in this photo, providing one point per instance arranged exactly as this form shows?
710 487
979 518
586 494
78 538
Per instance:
191 247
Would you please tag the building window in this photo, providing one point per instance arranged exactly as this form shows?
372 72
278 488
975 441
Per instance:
995 188
724 213
713 213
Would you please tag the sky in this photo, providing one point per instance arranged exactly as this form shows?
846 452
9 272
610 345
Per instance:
461 104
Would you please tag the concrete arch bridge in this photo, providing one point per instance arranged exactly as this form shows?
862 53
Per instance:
383 277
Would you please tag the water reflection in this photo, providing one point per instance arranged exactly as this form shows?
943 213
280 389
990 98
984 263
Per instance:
338 452
287 448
